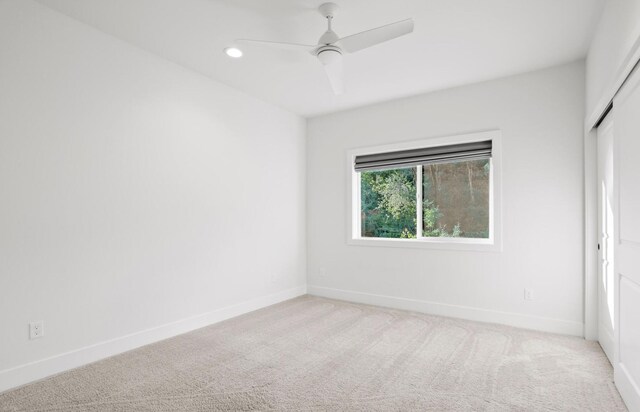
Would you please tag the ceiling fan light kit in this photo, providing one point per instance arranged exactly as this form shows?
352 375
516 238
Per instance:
330 47
329 55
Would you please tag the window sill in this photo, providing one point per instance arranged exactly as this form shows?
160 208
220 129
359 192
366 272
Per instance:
433 244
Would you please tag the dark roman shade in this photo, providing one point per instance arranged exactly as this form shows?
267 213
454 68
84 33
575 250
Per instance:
426 155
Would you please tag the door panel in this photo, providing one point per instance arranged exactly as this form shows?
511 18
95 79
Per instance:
626 118
629 327
606 230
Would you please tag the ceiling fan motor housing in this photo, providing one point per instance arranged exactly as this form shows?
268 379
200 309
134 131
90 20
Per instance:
329 37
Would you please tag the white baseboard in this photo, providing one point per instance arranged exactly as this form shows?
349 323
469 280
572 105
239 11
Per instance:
454 311
22 374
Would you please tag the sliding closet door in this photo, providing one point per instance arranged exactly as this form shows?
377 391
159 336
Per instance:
626 120
606 241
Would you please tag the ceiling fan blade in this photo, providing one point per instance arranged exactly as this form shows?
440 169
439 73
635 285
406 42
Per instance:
336 76
278 45
375 36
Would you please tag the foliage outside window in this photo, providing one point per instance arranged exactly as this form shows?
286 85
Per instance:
454 199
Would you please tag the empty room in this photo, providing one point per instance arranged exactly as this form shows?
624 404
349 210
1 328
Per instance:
301 205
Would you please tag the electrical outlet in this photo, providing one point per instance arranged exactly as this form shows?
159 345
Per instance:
528 294
36 329
322 272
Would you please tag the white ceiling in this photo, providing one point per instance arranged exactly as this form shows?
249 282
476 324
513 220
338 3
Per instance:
455 42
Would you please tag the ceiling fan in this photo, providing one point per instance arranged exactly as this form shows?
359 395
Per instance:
331 47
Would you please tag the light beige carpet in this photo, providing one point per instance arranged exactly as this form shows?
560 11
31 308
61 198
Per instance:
314 354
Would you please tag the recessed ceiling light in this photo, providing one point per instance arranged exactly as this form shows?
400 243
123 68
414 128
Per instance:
233 52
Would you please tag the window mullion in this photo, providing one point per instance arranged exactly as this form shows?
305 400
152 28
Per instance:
357 212
419 201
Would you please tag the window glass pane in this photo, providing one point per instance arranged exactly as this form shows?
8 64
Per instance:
388 203
455 199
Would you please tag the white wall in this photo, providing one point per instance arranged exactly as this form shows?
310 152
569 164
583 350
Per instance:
134 193
541 116
609 60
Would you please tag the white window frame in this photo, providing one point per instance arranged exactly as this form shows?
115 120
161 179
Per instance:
492 244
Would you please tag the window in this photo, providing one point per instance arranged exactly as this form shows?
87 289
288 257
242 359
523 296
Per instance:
433 193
